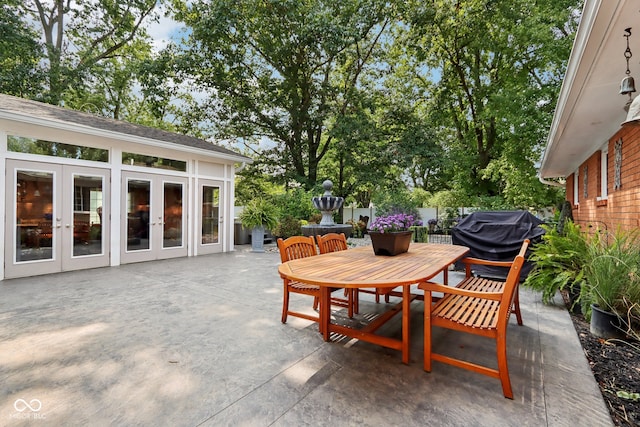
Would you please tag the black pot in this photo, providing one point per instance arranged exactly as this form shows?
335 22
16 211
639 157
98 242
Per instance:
574 294
605 324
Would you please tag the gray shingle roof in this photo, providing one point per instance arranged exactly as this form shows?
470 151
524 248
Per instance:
44 111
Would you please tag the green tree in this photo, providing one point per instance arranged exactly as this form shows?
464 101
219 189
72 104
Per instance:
79 35
492 71
359 162
281 70
20 55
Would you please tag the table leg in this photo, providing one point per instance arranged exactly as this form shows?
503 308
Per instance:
325 311
406 303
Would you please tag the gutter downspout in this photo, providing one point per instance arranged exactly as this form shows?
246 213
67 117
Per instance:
552 183
241 167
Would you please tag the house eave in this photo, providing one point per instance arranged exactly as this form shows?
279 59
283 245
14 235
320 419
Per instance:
589 108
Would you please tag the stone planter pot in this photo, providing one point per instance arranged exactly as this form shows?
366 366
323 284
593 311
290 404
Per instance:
605 324
390 244
257 239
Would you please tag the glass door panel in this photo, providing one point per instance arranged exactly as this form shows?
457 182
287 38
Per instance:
210 219
138 227
34 227
88 196
54 218
155 217
210 214
172 231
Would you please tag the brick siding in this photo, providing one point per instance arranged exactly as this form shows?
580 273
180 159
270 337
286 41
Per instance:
622 206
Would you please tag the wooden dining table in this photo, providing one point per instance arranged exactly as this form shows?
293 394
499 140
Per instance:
361 268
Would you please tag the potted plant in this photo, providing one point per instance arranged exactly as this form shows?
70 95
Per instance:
611 292
257 215
558 263
390 235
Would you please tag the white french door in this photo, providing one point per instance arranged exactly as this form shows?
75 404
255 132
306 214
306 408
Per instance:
210 218
154 220
54 218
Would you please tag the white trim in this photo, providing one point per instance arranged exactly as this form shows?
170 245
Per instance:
601 23
604 178
587 20
115 206
88 130
576 187
3 207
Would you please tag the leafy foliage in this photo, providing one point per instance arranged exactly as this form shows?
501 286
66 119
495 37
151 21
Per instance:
380 97
83 36
296 203
282 70
492 71
259 213
20 52
612 273
287 227
559 260
396 202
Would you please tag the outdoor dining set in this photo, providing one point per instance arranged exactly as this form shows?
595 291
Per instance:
326 269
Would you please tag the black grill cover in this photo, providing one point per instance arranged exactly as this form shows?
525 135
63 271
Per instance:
497 236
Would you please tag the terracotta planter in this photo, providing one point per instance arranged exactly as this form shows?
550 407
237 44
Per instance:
390 244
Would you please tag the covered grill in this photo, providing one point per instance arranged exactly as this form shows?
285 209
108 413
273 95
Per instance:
497 236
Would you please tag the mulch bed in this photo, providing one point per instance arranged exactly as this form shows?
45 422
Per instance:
616 368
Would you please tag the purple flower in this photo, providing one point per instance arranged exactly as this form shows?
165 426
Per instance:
392 223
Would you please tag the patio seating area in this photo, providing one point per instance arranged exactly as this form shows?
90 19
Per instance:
198 341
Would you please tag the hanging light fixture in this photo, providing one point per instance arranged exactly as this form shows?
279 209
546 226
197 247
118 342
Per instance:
627 85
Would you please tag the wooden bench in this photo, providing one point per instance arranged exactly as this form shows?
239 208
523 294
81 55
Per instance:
477 306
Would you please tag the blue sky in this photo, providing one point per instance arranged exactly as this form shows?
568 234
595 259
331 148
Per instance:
163 31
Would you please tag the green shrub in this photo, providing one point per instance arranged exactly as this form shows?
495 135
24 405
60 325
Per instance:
420 233
358 228
259 212
287 227
315 218
558 260
296 203
612 274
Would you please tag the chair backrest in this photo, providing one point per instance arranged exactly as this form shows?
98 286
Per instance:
297 247
511 284
332 242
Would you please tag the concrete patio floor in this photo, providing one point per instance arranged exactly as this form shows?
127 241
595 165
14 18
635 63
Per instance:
198 341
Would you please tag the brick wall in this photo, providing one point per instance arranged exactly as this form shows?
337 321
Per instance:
621 208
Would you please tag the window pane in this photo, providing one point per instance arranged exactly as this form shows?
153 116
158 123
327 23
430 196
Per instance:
34 216
138 195
21 144
172 231
87 215
153 162
210 209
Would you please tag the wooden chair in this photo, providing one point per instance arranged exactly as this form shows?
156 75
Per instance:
333 242
476 306
294 248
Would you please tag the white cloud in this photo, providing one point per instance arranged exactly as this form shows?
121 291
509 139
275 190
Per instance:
164 31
